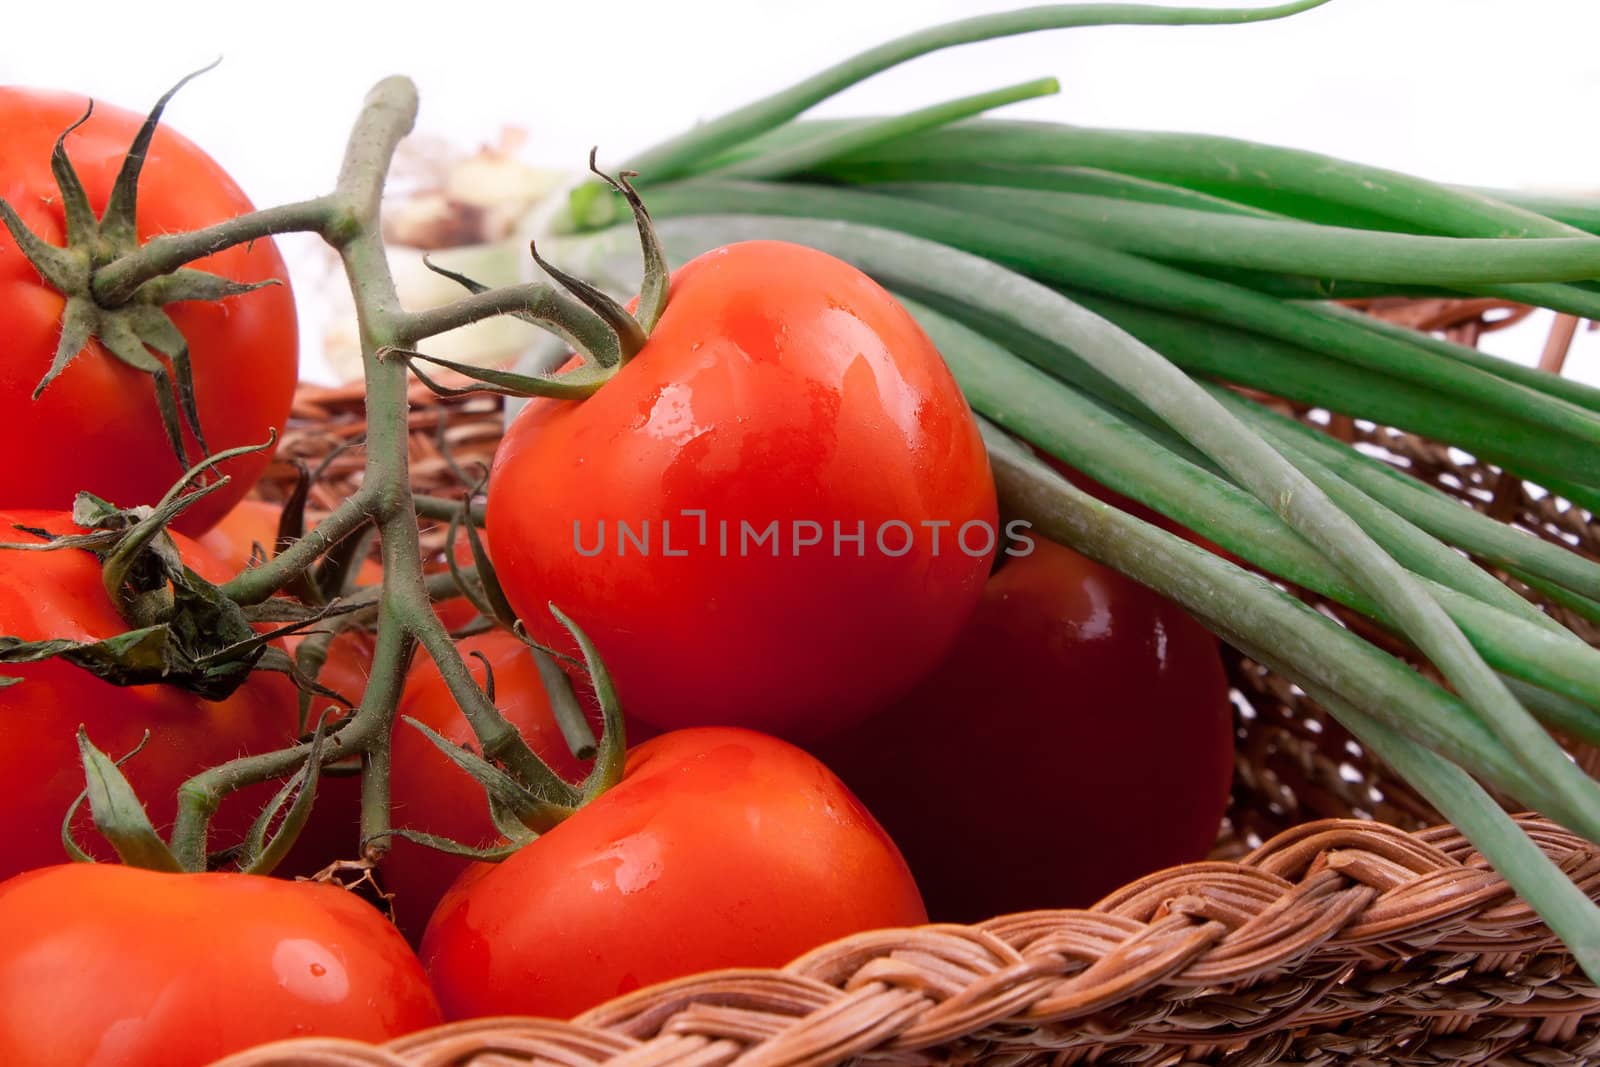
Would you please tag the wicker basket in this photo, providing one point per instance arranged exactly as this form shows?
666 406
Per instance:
1330 927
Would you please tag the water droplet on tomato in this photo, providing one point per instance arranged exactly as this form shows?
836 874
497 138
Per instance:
310 971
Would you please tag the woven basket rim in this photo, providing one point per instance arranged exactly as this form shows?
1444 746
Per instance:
1301 914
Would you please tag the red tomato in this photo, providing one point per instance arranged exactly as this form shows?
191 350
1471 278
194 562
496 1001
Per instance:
1078 736
110 966
719 848
59 594
97 426
781 387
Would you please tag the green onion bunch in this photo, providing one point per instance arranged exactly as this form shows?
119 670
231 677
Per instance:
1098 292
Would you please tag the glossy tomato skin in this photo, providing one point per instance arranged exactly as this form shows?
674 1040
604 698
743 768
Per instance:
1078 736
97 427
780 386
59 594
720 848
110 966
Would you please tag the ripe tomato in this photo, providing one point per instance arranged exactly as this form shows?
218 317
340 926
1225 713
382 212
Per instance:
720 848
97 426
1078 736
59 594
110 966
780 388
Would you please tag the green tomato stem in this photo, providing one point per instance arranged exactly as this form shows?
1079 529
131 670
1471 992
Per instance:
116 282
348 219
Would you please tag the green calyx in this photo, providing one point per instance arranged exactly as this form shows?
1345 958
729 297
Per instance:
603 333
120 817
117 812
184 631
522 808
136 331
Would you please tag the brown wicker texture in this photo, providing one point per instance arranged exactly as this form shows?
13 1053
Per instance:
1330 927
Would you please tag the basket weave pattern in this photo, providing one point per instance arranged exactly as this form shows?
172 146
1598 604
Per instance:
1310 938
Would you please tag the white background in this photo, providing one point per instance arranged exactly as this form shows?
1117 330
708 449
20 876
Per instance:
1494 92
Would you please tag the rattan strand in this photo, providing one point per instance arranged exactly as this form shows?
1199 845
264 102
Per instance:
1336 939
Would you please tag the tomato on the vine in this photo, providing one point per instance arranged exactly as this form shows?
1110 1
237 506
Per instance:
428 792
431 794
777 515
719 848
109 966
97 426
59 594
1078 736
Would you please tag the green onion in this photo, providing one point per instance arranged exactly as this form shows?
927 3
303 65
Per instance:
1290 247
1430 509
1551 384
1085 181
1296 373
1091 289
1272 178
829 145
1284 635
681 154
1575 212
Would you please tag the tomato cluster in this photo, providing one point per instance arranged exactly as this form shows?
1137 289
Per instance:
776 523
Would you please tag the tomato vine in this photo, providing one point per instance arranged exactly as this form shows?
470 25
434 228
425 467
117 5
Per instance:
402 607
